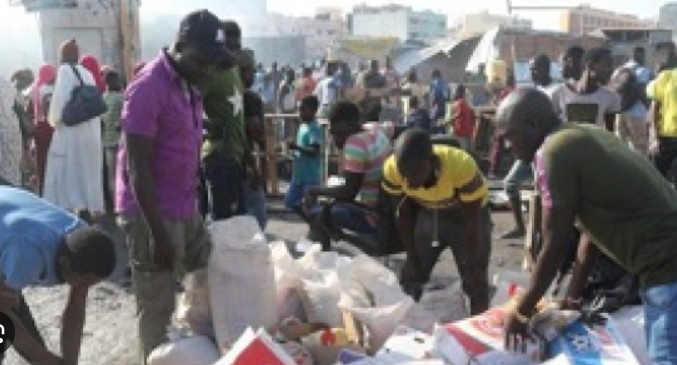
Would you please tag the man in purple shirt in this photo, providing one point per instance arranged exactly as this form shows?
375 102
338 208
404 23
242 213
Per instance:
157 175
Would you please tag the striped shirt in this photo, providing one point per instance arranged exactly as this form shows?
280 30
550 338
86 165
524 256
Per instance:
365 153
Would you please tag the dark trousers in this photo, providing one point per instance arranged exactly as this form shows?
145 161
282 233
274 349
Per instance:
43 138
667 153
224 176
472 262
23 313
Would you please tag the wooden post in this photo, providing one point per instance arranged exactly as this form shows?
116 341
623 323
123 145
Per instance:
271 155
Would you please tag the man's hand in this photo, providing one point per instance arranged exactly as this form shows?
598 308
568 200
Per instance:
516 334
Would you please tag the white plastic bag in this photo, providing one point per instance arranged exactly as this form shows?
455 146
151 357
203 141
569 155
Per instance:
378 281
288 281
241 280
193 310
320 298
380 323
198 350
372 294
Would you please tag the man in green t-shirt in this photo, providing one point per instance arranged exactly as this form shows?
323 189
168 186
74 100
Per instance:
587 176
225 151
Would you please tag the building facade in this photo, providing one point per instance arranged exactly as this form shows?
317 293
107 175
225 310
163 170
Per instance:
584 19
476 24
401 22
320 31
667 17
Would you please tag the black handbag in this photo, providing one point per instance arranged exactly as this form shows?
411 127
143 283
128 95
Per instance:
86 103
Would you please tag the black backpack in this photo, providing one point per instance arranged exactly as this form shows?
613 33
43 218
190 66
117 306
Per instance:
86 103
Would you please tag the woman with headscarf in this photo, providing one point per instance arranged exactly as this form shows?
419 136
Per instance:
74 178
42 135
11 147
92 65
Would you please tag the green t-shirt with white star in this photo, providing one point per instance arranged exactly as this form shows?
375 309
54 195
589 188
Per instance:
223 102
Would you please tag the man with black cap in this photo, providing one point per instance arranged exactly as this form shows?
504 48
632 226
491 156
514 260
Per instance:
157 176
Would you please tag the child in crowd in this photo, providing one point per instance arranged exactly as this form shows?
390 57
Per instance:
307 168
111 130
417 117
462 119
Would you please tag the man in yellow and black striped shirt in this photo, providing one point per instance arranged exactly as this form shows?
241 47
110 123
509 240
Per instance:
441 197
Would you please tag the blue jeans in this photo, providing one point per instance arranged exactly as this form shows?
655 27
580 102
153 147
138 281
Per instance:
660 322
519 173
295 193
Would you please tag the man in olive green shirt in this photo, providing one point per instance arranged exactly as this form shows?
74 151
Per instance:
225 150
587 176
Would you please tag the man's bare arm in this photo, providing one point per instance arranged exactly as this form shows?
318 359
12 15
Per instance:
73 324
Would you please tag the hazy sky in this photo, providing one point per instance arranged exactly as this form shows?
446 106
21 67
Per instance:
545 20
24 47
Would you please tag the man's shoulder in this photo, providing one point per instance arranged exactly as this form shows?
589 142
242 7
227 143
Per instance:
569 138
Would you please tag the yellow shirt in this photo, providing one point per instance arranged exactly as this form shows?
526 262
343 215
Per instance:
664 90
459 180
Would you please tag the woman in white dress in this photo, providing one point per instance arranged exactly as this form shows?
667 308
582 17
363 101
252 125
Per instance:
73 179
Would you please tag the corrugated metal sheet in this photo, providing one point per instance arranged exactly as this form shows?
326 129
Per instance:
485 52
413 58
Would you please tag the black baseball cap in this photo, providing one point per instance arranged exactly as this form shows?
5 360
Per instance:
202 29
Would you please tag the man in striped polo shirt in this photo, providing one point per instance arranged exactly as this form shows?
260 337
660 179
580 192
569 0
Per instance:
365 149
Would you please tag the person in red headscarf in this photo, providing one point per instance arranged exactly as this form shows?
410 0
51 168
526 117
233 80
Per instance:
92 65
42 135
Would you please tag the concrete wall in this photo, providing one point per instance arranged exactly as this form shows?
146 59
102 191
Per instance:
95 26
382 24
427 25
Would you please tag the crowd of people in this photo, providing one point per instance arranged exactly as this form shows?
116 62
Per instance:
176 146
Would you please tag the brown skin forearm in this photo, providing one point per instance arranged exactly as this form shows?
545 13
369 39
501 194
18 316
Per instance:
345 192
139 151
557 225
24 342
73 324
406 223
586 257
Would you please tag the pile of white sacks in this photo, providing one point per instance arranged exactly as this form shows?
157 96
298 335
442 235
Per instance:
257 305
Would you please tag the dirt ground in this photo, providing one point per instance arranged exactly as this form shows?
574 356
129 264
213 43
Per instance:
110 336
